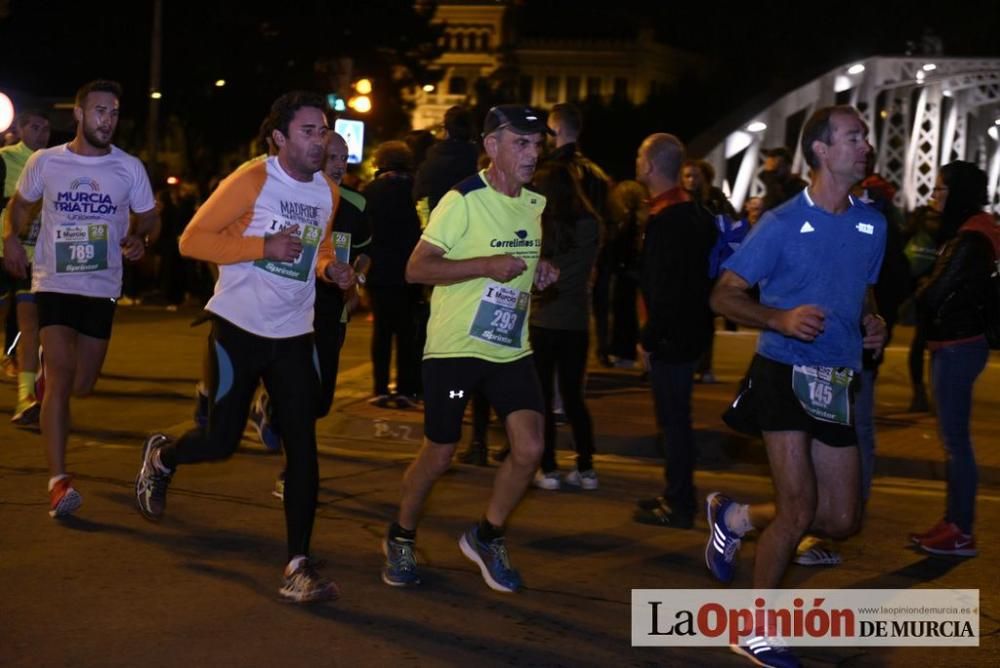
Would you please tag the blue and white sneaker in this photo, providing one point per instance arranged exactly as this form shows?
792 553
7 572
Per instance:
400 568
764 652
722 544
260 418
492 559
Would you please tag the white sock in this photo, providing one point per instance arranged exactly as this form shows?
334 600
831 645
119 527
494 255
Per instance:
294 564
737 519
54 479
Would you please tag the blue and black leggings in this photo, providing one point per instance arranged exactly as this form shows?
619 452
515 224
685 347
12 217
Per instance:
289 369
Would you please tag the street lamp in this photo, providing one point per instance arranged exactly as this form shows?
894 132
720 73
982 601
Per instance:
156 95
219 83
6 112
360 103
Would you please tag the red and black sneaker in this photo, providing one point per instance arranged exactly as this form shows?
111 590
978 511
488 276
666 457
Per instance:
950 542
942 525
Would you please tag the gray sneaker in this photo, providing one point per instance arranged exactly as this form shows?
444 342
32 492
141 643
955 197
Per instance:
306 585
549 481
584 479
151 483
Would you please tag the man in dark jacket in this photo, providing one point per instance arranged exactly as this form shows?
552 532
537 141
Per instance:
776 175
675 284
447 162
395 232
566 123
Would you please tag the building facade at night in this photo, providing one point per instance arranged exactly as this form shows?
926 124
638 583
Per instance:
484 47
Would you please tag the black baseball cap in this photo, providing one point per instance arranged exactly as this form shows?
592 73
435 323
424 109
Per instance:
519 118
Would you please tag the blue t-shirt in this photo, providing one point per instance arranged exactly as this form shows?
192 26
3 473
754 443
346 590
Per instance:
801 254
731 235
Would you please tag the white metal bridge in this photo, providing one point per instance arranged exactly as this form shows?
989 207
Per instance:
923 112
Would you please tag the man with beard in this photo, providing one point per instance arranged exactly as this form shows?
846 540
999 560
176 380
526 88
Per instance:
268 228
86 188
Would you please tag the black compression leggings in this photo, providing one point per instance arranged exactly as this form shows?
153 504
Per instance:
239 360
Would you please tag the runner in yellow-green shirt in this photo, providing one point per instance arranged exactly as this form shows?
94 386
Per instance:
481 252
35 132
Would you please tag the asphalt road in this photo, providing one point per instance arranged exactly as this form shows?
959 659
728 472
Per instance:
107 588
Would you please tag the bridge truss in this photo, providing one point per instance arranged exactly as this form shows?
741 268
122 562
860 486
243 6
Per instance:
922 112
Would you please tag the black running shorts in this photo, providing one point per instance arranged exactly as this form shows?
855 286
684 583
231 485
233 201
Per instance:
90 316
449 383
767 402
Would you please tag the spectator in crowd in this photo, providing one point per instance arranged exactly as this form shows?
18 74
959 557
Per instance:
628 210
776 174
924 231
957 306
560 320
752 210
566 122
395 231
675 286
696 179
449 161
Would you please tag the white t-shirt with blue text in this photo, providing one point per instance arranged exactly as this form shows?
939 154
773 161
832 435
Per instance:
85 215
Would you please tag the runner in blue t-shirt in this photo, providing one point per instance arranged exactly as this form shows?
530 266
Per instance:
814 259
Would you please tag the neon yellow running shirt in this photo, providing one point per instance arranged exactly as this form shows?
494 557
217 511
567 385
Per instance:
480 317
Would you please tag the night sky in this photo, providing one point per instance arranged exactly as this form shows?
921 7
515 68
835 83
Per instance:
49 47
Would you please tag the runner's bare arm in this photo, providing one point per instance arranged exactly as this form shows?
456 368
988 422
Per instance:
730 299
142 227
18 216
429 266
146 224
876 331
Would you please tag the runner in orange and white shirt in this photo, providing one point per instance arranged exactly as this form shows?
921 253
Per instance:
268 228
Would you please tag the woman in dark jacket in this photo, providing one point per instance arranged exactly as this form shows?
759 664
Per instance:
951 307
560 319
395 231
